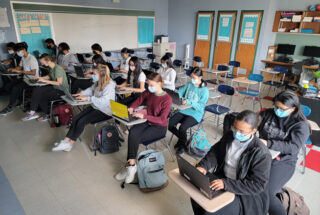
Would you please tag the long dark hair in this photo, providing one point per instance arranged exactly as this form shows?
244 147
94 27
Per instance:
167 60
198 72
136 73
98 59
249 117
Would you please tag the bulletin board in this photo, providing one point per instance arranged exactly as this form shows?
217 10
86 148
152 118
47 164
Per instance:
249 29
225 27
33 28
203 27
145 31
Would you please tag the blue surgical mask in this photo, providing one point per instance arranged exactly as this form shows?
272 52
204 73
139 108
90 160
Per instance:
95 78
194 81
152 89
20 54
164 65
239 136
281 113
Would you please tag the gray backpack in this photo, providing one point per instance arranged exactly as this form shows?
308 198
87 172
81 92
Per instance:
151 172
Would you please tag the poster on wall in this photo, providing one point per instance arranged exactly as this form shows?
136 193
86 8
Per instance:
203 27
34 28
225 27
249 29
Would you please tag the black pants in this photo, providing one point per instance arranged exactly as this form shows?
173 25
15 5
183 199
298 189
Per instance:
82 84
16 91
141 133
119 80
41 96
130 99
280 174
233 208
185 123
80 121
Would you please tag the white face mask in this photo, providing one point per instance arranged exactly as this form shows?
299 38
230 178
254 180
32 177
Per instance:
10 51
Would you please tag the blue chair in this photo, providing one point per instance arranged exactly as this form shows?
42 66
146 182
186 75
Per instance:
108 54
220 68
163 140
149 50
131 51
306 112
281 70
218 110
151 57
232 65
169 54
197 60
253 93
154 66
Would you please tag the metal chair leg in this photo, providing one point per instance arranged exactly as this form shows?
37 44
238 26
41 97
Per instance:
169 149
218 119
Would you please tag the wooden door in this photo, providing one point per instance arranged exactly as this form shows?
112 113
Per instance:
248 36
203 36
224 37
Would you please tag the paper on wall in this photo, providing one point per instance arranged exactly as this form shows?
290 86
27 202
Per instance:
36 30
248 33
25 31
4 21
3 36
249 24
44 22
34 22
225 22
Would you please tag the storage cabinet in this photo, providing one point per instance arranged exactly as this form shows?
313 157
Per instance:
160 49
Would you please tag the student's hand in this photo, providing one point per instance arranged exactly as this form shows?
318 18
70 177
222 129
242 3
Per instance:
10 69
40 79
16 70
184 102
6 62
82 98
117 68
217 184
139 115
202 170
122 88
264 141
130 110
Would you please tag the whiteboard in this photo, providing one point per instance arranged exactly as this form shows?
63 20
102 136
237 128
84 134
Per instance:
80 31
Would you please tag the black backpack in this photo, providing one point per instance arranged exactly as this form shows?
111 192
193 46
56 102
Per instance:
107 140
228 121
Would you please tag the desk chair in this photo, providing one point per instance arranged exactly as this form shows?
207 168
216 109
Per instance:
198 61
108 54
151 58
163 140
220 68
180 73
169 54
154 66
131 52
306 112
80 58
217 109
277 84
253 93
149 50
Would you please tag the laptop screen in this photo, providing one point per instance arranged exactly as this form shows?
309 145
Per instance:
119 110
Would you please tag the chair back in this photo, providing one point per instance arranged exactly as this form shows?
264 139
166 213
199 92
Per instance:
108 54
188 72
225 89
154 65
256 77
234 63
242 71
197 59
281 69
151 56
149 50
131 51
169 54
306 110
177 63
223 68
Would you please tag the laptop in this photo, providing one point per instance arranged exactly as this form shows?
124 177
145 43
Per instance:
195 177
80 58
70 97
120 111
79 71
34 81
175 97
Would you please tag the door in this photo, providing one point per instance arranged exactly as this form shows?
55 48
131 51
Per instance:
224 37
248 36
203 36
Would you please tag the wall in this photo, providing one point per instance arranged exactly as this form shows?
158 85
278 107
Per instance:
159 6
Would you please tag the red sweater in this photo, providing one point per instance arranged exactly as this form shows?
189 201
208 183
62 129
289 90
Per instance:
158 107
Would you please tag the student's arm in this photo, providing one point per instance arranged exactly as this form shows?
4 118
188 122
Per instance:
201 104
137 90
17 69
182 90
172 78
256 179
166 108
125 69
210 160
48 81
7 62
140 100
89 91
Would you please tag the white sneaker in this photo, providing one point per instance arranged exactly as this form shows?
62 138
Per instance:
132 170
122 174
63 146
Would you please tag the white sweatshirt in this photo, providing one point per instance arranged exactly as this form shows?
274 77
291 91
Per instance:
169 78
101 99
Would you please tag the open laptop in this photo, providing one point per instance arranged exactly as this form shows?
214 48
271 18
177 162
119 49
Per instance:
202 182
79 71
34 81
120 111
175 97
69 97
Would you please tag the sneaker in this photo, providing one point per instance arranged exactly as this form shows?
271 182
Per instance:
43 118
63 146
131 173
6 111
122 174
30 117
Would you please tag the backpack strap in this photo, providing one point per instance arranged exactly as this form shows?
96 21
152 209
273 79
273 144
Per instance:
144 156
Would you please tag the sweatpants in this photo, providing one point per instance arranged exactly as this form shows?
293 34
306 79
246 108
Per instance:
41 96
130 99
141 133
16 91
280 174
185 123
233 208
82 84
86 116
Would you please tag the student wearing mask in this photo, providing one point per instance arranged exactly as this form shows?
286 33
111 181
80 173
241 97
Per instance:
242 162
100 94
41 96
196 94
65 59
123 67
167 73
52 46
97 50
284 128
27 66
158 104
136 81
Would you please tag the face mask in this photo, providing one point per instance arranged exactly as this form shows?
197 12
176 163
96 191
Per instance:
132 68
164 65
239 136
152 89
194 81
95 78
94 64
281 113
20 54
48 47
10 51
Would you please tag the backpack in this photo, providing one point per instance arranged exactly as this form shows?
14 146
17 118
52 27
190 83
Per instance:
228 121
199 144
63 115
151 172
107 140
293 202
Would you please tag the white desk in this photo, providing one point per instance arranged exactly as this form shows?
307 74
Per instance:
122 92
113 59
212 205
75 103
217 72
181 107
132 123
73 75
41 84
10 74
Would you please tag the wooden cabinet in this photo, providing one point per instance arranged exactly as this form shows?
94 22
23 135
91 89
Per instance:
160 49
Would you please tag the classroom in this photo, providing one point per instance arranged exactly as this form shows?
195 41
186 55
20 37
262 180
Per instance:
162 107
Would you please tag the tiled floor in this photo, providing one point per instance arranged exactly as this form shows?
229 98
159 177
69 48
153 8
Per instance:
79 183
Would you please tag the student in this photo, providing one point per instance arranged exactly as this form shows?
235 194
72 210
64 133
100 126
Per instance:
27 66
52 46
136 79
97 50
41 96
167 73
242 162
123 67
196 94
83 84
65 59
100 95
158 104
284 128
